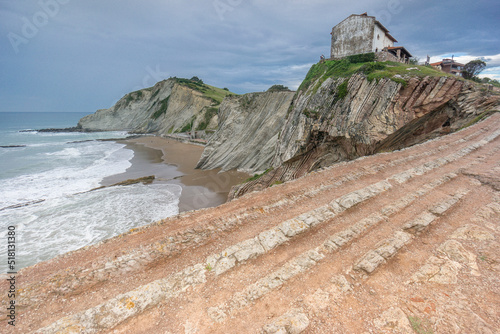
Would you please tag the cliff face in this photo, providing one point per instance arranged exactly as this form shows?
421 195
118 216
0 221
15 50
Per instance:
372 113
247 132
343 110
169 106
335 119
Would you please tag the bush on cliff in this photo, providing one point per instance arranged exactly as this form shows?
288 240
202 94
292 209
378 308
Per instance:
211 92
162 109
362 58
348 66
278 88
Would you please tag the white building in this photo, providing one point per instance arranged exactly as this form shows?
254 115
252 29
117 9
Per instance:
363 34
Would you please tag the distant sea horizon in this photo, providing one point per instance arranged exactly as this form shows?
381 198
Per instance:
45 183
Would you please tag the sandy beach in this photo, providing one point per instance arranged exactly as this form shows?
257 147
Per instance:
173 162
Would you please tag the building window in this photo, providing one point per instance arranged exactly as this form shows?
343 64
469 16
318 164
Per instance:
378 36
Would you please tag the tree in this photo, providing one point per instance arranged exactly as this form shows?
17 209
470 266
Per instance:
490 81
414 61
473 68
278 88
196 79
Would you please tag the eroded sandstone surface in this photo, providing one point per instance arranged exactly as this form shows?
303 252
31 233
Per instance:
400 242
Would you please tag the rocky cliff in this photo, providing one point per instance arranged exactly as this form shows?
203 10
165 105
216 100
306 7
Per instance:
247 132
343 111
173 105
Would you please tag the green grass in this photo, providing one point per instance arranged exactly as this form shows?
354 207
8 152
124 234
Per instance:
155 93
311 113
257 176
134 96
162 109
326 69
371 67
420 326
211 92
393 68
187 127
209 114
278 88
342 90
361 58
478 118
344 68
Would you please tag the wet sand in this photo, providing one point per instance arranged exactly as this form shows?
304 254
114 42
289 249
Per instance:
173 162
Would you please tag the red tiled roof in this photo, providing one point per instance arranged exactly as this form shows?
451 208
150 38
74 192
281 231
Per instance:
447 63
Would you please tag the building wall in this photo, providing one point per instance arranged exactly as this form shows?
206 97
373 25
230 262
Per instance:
380 40
385 56
352 36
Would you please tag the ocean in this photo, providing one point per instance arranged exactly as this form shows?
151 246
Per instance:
45 183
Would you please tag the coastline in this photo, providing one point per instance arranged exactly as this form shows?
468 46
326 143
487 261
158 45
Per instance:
174 162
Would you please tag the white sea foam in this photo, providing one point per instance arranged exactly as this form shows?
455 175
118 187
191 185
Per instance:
73 169
66 223
52 174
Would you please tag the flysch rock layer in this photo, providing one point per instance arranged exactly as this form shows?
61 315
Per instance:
323 128
394 242
248 132
135 112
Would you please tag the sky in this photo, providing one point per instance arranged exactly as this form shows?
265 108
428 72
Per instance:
80 56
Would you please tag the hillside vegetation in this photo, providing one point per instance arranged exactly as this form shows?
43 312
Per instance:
171 106
211 92
366 65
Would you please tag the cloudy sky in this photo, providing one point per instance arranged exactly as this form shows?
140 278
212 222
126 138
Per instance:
71 55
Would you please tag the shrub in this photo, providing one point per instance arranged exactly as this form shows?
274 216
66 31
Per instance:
371 67
342 91
326 69
278 88
187 127
311 113
162 109
257 176
361 58
209 114
196 79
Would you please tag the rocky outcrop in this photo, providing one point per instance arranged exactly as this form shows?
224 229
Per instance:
342 118
169 106
406 241
248 132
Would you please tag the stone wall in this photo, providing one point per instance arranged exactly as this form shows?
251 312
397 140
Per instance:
386 56
352 36
322 128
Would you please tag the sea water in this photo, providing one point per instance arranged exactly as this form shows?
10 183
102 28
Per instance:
45 183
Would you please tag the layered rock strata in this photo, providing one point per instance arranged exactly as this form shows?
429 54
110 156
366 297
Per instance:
165 108
344 118
248 131
401 241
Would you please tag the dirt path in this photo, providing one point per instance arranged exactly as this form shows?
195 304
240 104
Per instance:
399 242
